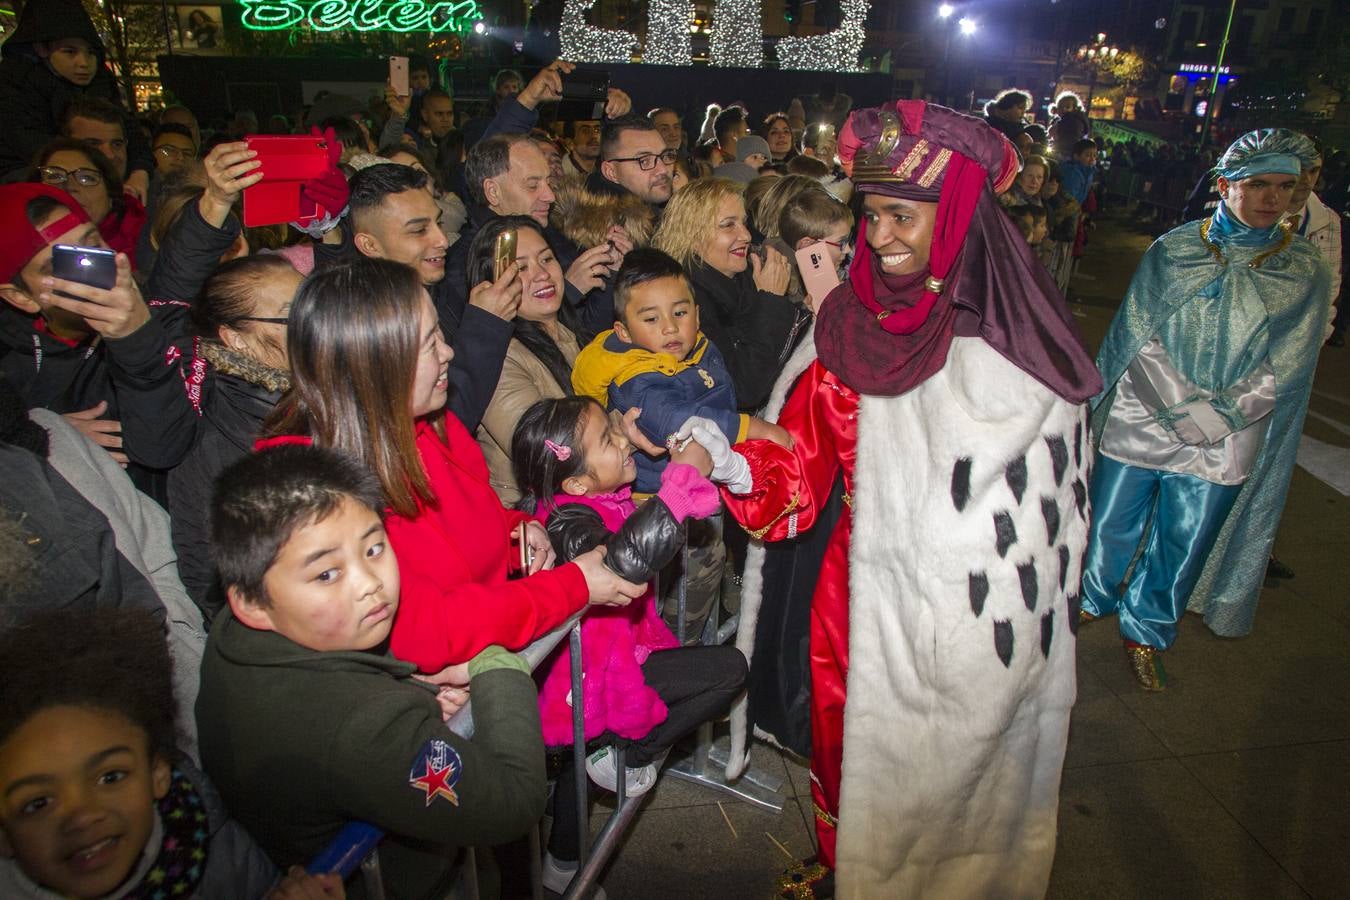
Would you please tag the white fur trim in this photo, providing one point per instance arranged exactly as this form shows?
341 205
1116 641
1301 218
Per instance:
952 758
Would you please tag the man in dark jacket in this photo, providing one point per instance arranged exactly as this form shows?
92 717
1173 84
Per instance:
53 57
97 356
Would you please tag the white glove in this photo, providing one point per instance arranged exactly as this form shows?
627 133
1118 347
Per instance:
729 467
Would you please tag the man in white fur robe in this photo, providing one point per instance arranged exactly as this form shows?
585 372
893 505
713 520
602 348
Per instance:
948 394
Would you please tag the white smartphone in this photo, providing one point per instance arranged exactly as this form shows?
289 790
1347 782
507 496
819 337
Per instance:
818 273
398 75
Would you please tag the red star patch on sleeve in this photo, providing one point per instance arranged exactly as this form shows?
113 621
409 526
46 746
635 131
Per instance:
440 768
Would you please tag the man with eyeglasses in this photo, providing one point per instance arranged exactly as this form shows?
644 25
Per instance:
634 159
173 148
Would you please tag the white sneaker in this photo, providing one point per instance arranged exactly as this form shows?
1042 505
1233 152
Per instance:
601 766
558 876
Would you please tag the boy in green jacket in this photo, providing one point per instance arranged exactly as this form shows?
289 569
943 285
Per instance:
306 720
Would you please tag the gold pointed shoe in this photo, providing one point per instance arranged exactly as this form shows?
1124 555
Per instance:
1146 666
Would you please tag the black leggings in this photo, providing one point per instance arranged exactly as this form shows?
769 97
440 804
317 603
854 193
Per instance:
696 684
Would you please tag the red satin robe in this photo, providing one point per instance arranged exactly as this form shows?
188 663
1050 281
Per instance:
790 489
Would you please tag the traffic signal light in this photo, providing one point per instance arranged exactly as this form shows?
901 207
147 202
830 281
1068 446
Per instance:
792 10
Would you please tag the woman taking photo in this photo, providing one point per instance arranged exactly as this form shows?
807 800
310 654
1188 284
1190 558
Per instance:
740 294
539 358
369 375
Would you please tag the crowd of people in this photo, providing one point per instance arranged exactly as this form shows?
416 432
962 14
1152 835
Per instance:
283 499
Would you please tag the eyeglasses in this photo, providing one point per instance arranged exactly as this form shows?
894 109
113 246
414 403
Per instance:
55 175
170 152
647 161
838 245
267 320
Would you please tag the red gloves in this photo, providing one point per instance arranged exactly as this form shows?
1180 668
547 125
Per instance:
329 190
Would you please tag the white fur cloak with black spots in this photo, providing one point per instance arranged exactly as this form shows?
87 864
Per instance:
970 524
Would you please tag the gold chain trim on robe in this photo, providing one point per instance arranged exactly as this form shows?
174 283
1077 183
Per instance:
1259 258
759 533
848 499
823 816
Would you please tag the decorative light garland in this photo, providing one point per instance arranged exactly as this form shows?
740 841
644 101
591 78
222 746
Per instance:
360 15
737 34
583 42
834 51
668 24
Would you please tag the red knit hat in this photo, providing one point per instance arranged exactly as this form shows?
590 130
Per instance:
22 241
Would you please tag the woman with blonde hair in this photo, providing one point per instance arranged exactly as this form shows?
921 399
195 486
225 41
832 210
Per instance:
739 287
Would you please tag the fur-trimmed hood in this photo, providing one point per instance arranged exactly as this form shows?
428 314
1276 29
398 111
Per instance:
585 216
231 362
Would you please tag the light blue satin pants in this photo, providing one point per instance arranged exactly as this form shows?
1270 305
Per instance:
1176 518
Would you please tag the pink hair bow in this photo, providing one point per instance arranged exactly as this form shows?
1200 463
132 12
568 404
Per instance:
562 451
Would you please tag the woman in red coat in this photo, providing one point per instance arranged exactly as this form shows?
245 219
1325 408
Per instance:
369 375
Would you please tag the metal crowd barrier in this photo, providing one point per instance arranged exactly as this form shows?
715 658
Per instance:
356 844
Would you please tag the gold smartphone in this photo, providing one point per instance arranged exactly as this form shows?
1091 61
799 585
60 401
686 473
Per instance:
504 253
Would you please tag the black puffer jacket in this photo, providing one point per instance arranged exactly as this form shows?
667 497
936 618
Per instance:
238 395
35 98
752 328
647 540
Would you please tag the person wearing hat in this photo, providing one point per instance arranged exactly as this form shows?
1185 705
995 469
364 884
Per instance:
752 153
943 427
1208 367
96 356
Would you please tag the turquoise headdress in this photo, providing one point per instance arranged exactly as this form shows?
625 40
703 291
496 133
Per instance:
1267 151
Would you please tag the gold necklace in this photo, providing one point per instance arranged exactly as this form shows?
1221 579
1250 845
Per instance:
1285 240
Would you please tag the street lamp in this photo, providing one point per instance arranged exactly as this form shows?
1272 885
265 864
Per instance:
945 11
968 26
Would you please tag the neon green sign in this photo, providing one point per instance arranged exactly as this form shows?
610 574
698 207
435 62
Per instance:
361 15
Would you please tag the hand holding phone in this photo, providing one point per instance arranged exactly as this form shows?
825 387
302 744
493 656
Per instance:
503 253
398 75
818 273
79 284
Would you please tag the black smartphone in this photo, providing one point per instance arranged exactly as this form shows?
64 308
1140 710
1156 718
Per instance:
93 266
584 94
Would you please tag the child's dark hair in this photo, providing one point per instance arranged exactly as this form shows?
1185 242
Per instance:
540 469
639 267
263 498
1082 145
105 659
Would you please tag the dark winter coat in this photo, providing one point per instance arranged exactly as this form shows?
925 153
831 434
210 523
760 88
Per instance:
35 98
752 328
299 742
238 394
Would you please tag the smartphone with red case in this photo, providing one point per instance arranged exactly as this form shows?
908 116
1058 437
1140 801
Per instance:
288 161
818 273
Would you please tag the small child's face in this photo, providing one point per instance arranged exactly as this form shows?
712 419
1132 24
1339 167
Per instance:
73 59
77 798
334 585
1088 157
660 316
1039 228
608 454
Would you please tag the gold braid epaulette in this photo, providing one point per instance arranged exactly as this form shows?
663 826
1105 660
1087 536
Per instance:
759 533
1259 258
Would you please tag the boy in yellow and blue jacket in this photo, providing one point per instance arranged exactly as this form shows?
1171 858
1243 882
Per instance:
656 359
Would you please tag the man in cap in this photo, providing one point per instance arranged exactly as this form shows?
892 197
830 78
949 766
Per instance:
947 412
97 356
1208 366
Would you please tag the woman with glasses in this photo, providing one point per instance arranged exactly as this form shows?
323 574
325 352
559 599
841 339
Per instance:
237 372
89 178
